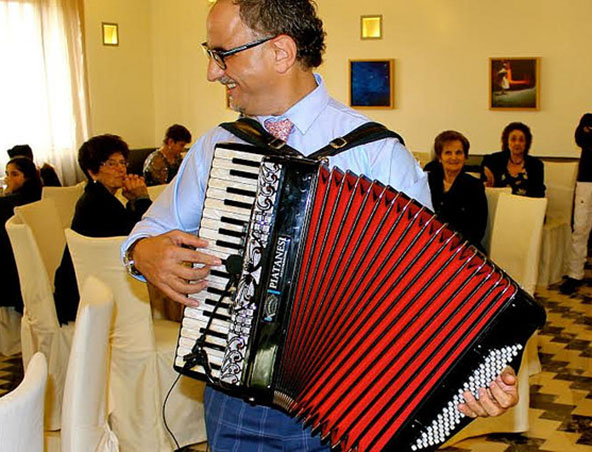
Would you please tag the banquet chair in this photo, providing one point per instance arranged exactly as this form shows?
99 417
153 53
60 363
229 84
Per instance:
85 425
65 199
560 179
10 331
516 237
492 194
40 329
43 220
21 411
142 352
154 191
515 247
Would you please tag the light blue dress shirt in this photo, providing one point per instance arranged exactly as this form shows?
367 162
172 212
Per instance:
233 424
317 120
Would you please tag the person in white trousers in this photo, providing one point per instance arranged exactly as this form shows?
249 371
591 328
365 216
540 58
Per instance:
582 220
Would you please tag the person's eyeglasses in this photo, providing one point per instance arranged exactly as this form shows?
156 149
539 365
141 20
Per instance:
219 55
112 164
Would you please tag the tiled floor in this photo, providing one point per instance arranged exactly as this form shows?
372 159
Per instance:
561 395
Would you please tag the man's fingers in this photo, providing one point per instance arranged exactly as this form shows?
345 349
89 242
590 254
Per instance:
474 405
504 399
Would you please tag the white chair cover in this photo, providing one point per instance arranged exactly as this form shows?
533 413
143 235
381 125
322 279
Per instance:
515 247
560 179
40 329
84 410
10 331
516 237
142 357
65 199
43 219
155 190
492 194
21 411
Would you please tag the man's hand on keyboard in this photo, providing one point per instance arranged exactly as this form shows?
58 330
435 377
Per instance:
163 260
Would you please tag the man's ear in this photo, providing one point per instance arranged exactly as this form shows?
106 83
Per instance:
285 52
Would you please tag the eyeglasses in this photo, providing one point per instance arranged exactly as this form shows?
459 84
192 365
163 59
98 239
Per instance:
112 164
219 55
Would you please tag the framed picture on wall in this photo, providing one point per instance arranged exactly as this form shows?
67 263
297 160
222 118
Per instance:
514 83
372 83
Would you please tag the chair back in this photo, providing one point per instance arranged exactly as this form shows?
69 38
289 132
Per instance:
492 194
154 191
560 180
21 411
100 257
40 329
516 237
65 199
44 222
36 288
84 409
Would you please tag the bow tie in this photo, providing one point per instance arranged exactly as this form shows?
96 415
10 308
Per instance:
280 129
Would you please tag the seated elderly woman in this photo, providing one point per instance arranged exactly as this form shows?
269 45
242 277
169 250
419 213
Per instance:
99 213
513 166
458 198
162 165
23 186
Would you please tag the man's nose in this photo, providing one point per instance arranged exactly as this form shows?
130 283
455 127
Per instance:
214 71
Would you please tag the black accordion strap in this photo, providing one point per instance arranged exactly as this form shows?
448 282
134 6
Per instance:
366 133
252 132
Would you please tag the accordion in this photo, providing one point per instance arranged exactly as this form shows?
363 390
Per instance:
354 308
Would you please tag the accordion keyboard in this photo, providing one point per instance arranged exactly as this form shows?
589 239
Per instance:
227 207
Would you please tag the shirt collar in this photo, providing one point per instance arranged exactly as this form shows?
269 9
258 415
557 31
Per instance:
304 113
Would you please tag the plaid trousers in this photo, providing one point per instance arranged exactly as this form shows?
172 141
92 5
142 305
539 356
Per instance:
237 426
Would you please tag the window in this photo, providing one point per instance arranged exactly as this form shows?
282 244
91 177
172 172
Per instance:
42 82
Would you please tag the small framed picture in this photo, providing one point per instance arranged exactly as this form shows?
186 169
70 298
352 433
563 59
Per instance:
514 83
372 84
110 34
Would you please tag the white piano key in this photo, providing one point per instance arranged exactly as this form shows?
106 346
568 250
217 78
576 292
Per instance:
228 154
216 214
217 193
196 334
234 165
210 223
210 234
220 209
224 174
224 184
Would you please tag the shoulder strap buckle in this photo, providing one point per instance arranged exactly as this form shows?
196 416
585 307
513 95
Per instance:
338 143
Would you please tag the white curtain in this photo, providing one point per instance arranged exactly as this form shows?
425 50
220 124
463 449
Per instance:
43 89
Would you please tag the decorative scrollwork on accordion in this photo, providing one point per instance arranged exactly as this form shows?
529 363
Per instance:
244 306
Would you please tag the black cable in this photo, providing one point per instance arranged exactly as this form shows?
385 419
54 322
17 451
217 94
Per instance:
164 409
198 355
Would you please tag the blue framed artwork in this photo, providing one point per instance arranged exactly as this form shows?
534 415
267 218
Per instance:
371 83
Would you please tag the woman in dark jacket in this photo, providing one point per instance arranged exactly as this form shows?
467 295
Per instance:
23 186
458 198
99 213
513 166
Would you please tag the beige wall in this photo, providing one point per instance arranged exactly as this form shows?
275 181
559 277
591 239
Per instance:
121 81
441 50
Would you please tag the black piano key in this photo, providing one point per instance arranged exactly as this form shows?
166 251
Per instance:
224 244
244 174
231 233
213 333
244 162
234 221
240 191
242 205
219 273
217 316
